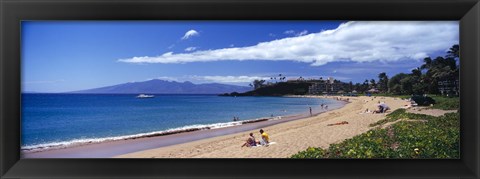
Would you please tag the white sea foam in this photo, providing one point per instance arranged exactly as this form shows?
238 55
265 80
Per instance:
78 142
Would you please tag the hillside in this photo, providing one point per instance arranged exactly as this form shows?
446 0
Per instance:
166 87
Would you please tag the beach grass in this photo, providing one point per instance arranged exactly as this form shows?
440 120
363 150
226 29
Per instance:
401 114
438 137
446 103
442 102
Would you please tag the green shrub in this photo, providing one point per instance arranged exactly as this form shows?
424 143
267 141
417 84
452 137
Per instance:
423 100
446 103
401 114
311 152
439 137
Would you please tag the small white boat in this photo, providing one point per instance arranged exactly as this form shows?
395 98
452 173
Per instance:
145 96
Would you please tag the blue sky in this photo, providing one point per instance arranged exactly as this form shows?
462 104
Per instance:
62 56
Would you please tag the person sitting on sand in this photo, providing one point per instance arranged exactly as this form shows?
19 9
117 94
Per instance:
250 141
265 139
382 108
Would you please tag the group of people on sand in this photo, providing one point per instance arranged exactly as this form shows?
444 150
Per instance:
251 141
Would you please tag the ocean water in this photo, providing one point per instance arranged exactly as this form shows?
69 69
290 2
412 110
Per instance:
59 120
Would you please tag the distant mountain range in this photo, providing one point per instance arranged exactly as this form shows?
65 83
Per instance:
167 87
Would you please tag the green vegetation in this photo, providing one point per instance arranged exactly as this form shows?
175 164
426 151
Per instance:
446 103
441 102
401 114
438 137
438 76
423 100
277 89
425 79
422 80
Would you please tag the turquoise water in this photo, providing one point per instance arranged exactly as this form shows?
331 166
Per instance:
57 120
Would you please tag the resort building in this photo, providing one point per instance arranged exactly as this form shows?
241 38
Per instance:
449 87
328 86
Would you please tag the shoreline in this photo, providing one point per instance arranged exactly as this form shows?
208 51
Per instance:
290 137
144 142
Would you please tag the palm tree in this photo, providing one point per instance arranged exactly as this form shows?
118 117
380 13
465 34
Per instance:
258 83
417 72
454 51
427 63
373 84
383 82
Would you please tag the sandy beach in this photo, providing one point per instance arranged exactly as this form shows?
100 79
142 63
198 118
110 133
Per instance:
289 137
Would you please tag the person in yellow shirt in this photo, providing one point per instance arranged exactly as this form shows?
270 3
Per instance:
265 140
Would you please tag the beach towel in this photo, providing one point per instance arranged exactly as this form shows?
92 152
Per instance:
271 143
338 123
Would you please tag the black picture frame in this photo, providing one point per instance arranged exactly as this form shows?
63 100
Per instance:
12 12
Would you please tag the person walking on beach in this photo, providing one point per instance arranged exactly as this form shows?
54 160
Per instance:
310 111
322 105
265 139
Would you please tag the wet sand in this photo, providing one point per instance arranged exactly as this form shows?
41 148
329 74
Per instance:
290 137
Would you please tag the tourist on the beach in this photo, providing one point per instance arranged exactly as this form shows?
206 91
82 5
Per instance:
265 138
326 106
250 141
382 108
322 105
234 118
367 111
310 111
385 107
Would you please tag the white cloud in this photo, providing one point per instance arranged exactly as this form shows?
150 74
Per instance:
189 34
230 79
212 79
294 33
289 32
168 78
189 49
304 32
272 35
363 41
